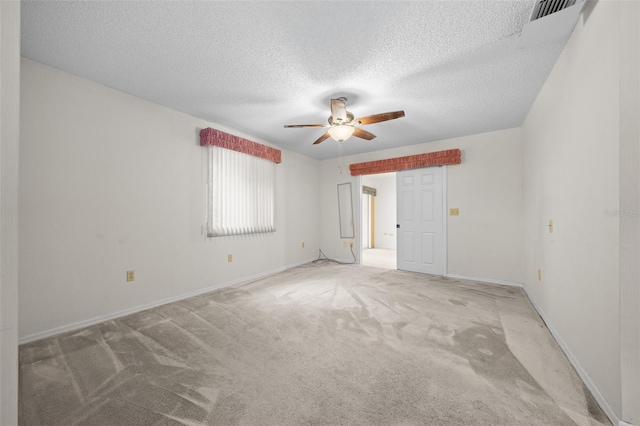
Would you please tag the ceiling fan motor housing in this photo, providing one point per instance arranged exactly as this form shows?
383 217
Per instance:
338 121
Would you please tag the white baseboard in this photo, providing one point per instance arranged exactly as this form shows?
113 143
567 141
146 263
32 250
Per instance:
574 361
484 280
102 318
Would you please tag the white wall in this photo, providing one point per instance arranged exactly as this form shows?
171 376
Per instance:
630 202
384 208
111 182
332 173
571 176
9 131
485 241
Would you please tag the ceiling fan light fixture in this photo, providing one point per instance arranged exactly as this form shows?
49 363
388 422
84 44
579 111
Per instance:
341 133
342 124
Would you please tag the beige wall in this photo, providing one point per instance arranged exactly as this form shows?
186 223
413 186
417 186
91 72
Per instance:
9 131
111 183
630 202
485 241
571 170
9 138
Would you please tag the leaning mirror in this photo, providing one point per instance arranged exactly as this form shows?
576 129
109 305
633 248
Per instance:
345 210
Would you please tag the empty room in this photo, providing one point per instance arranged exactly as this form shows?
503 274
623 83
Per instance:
193 193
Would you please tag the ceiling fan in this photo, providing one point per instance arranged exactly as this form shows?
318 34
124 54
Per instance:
342 125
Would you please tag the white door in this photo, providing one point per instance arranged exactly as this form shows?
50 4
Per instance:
420 221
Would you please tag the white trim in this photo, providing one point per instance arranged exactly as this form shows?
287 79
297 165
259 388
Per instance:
445 220
96 320
485 280
358 221
574 361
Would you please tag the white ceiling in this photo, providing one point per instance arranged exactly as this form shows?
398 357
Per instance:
454 67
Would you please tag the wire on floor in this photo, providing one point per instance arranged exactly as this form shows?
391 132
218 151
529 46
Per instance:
322 256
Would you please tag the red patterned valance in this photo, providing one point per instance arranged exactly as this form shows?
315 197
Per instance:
439 158
214 137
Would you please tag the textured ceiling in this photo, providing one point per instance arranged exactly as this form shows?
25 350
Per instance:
454 67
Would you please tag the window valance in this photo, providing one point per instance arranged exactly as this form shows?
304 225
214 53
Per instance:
215 137
439 158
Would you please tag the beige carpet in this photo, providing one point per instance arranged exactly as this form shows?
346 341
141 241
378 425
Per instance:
379 258
321 344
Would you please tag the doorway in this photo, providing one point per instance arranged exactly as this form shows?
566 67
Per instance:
378 221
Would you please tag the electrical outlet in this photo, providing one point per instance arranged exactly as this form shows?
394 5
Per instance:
131 276
344 244
539 274
351 244
303 244
230 258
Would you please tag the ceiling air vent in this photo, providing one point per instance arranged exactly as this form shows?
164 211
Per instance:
550 20
543 8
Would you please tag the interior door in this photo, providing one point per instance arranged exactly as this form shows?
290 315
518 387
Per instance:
420 220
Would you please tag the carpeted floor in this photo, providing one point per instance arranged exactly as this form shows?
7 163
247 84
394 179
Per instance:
379 258
320 344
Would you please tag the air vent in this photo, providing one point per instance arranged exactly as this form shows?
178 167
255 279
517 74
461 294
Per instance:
550 20
543 8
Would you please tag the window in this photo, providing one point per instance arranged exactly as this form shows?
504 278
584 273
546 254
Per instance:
240 184
240 192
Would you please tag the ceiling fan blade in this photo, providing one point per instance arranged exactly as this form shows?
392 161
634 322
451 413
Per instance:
338 110
377 118
306 125
322 138
363 134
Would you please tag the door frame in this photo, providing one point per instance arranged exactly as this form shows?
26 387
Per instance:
365 220
445 220
358 220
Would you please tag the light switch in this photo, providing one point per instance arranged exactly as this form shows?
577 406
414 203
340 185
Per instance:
550 226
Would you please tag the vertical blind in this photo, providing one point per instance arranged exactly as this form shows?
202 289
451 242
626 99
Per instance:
240 192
